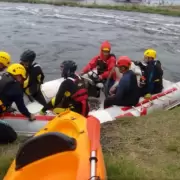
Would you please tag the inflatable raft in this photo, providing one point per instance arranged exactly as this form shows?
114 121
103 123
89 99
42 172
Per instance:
167 99
68 148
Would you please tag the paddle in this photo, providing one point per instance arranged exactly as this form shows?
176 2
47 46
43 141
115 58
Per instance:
93 126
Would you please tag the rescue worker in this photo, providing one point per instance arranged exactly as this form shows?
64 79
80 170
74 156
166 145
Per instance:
152 79
127 92
104 62
35 77
5 60
72 93
11 90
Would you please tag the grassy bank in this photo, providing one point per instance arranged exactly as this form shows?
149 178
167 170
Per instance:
147 148
164 10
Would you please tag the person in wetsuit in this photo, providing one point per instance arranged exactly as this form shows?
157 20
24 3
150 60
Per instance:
5 60
152 74
72 93
127 92
35 77
11 90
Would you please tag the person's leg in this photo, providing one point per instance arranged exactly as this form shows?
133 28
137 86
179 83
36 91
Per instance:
108 84
109 102
40 98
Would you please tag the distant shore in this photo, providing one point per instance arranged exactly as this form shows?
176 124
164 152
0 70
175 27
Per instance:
164 10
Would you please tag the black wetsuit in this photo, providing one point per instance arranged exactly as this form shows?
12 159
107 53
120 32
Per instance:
12 91
78 96
153 74
36 78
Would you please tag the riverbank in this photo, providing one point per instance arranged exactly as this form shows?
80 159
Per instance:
164 10
145 148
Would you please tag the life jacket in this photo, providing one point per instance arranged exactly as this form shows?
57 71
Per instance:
102 65
40 78
81 95
5 80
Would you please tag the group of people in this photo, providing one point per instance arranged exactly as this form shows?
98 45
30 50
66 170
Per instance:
19 78
117 76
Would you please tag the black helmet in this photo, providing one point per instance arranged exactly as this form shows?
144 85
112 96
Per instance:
68 68
28 56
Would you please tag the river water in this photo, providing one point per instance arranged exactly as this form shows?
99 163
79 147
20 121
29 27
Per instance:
65 33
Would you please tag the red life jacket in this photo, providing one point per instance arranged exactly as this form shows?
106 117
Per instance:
81 95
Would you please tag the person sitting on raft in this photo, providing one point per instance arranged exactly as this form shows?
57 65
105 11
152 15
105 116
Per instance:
104 62
11 90
127 92
32 85
152 74
72 93
119 75
5 60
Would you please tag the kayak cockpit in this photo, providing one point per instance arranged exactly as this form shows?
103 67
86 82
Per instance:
44 145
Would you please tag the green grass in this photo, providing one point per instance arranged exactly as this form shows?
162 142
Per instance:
164 10
145 148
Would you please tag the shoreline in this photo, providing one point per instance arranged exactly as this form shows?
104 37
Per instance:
173 10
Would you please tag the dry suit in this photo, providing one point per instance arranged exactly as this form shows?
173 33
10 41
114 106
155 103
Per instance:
127 92
72 94
103 66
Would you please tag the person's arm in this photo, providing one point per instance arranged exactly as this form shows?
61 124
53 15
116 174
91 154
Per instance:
36 71
19 101
159 68
111 64
91 65
122 87
17 98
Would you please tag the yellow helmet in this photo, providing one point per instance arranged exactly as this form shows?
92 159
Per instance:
5 58
150 53
17 69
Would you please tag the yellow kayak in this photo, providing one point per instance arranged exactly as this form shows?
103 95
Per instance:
67 148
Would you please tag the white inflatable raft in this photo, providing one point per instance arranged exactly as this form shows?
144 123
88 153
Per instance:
169 98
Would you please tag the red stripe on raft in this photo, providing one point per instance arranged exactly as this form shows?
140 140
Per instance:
154 97
48 118
22 117
125 115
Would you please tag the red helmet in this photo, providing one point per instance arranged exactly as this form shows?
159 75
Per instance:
124 61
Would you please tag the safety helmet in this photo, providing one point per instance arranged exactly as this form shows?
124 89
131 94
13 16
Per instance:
28 56
17 69
68 68
5 58
150 53
124 61
106 46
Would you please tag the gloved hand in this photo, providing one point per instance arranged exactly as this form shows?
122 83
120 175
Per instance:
147 96
32 117
42 112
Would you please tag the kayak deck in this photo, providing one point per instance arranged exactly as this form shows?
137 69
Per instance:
62 151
